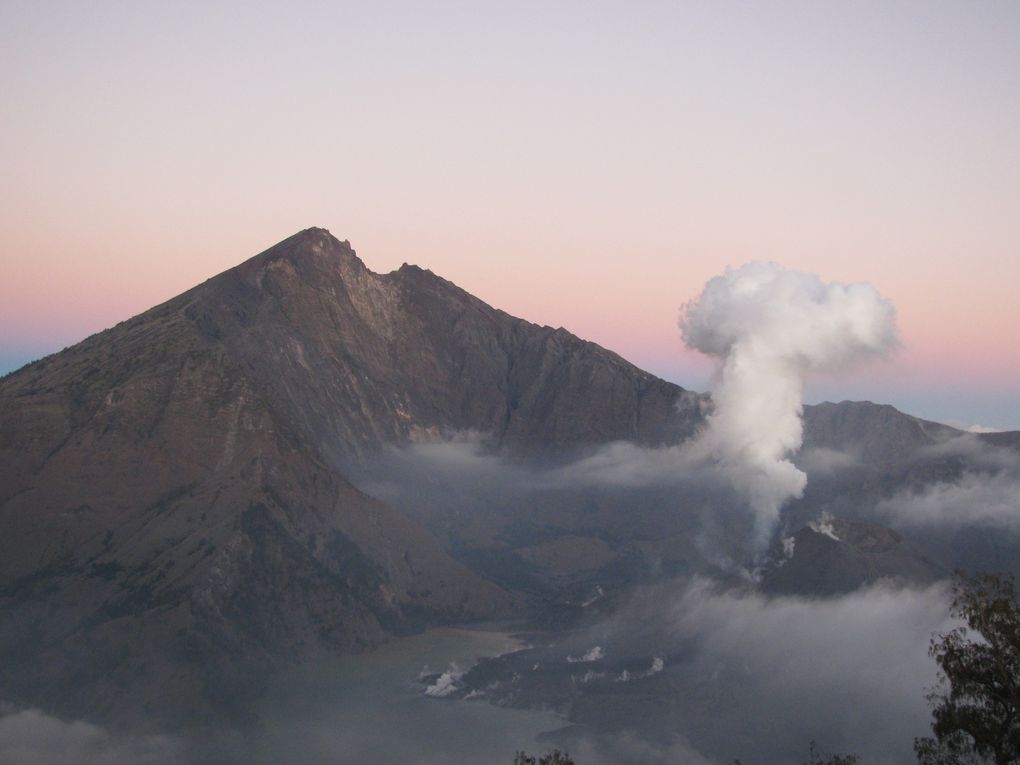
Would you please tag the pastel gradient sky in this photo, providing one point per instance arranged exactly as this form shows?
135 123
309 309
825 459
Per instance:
584 164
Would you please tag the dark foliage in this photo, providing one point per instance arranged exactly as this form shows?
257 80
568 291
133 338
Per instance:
976 707
816 758
555 757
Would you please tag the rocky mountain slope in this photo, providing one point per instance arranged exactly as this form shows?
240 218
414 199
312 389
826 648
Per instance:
355 359
836 556
173 517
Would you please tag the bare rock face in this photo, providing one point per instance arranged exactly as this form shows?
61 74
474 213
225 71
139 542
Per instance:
355 360
878 434
834 556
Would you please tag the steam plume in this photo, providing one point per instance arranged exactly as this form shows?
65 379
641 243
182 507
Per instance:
768 328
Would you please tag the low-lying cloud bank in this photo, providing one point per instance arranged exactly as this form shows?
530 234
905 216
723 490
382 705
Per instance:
976 499
757 678
460 483
466 459
464 465
983 490
715 674
30 737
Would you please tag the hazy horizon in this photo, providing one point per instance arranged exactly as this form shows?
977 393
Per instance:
957 407
586 166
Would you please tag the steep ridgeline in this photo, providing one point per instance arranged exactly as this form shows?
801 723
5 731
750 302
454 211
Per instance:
878 434
172 520
355 359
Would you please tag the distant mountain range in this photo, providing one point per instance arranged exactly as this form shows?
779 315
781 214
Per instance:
221 485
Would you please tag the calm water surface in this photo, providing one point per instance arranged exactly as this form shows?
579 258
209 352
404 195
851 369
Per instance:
372 709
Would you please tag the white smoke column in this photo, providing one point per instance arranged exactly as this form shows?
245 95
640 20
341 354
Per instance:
769 327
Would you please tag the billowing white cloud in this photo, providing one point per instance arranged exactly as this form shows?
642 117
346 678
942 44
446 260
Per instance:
594 654
769 327
446 683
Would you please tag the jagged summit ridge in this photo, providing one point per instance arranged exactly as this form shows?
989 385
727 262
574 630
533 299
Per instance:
361 359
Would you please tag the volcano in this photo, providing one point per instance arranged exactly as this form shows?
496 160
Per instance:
184 506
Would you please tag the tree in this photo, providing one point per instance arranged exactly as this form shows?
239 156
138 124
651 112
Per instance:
976 706
815 757
555 757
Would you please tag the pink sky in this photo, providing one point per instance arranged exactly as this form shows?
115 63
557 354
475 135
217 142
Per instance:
588 165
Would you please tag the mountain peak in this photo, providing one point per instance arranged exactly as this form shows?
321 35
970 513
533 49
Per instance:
311 240
317 235
312 255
